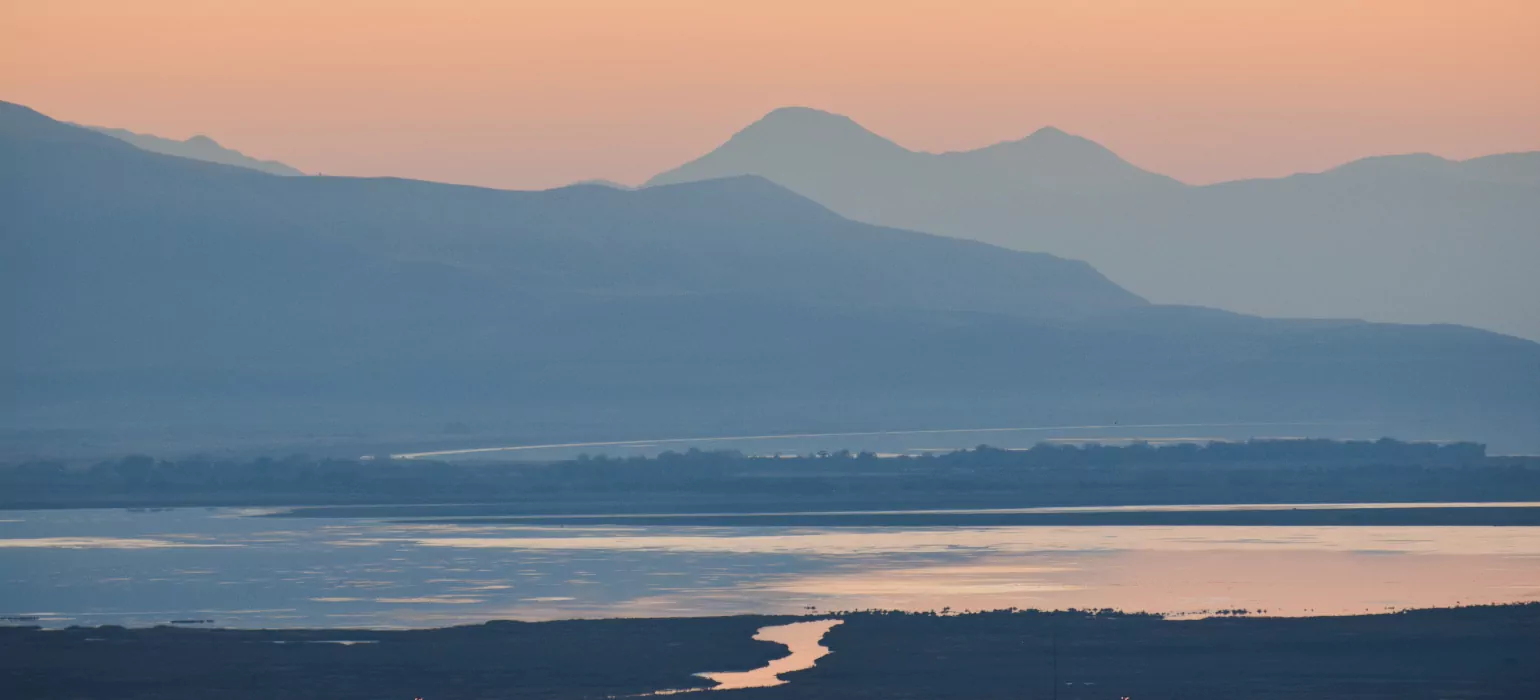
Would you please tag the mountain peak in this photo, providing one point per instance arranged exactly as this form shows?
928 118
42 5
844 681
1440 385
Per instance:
805 114
789 143
1054 139
1051 132
807 127
1053 157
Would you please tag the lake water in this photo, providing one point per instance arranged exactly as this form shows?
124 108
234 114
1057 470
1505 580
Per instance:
59 568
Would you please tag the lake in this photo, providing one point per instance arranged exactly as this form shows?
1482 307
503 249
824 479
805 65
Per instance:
261 568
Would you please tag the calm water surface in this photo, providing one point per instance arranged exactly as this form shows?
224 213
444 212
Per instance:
142 568
804 646
804 642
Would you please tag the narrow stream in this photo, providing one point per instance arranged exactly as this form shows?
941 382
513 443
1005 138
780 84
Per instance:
802 639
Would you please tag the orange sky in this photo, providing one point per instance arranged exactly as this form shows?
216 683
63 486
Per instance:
533 94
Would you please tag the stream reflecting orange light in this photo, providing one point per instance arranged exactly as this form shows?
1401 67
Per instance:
527 94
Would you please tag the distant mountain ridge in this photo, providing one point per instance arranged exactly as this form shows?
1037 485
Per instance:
809 149
148 290
198 147
1412 239
1520 169
601 182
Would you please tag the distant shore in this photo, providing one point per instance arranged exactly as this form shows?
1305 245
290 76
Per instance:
1360 514
730 483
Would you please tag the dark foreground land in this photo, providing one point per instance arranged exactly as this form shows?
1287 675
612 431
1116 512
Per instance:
1481 652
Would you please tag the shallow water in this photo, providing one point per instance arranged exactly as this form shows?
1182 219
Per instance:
140 568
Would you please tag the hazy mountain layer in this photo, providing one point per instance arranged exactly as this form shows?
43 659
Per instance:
1416 239
141 289
197 148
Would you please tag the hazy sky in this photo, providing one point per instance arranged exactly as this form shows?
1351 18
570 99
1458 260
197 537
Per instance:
531 94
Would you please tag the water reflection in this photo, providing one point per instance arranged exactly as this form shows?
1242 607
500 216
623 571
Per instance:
97 567
803 639
892 540
99 543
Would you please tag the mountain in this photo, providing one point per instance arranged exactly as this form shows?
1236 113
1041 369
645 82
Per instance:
833 160
1508 168
197 148
141 291
1520 169
601 182
1410 239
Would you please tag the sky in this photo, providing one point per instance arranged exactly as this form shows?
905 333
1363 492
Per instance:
523 94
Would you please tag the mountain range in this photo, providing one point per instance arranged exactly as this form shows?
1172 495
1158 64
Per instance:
141 289
198 147
1411 239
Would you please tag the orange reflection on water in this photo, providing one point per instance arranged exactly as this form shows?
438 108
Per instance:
804 641
1035 539
1283 583
1184 570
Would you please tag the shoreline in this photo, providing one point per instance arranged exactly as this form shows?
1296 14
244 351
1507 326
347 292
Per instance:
1362 514
604 511
12 623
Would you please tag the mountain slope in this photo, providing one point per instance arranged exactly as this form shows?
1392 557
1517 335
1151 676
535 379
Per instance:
234 260
141 289
1414 239
744 235
836 162
197 148
822 149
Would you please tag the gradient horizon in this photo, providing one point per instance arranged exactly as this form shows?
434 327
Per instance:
538 94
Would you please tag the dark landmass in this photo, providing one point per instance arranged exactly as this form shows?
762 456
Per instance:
1476 652
143 293
729 483
1468 653
573 659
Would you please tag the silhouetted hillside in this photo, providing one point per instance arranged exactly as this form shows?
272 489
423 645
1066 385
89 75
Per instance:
1474 652
198 147
149 289
1412 239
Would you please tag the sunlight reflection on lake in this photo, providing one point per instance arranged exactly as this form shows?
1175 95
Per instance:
119 567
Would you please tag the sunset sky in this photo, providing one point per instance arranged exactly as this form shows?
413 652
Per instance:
536 94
